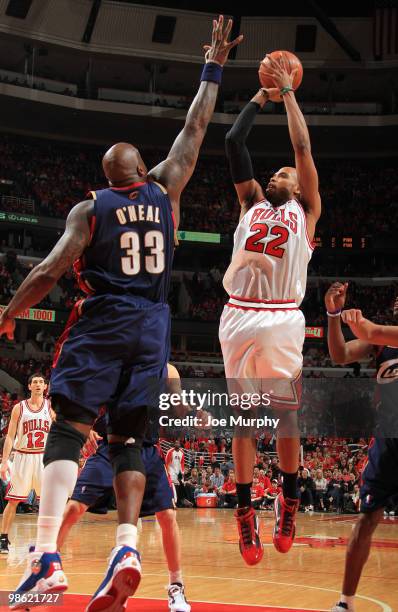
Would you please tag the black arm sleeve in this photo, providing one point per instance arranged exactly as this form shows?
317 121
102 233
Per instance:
235 144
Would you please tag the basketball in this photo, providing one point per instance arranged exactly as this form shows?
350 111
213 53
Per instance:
292 62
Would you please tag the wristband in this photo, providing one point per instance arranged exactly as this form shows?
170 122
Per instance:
336 313
285 90
212 72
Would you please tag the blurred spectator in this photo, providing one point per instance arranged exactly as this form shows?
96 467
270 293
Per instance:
305 486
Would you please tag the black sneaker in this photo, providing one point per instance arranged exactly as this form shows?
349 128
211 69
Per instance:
4 544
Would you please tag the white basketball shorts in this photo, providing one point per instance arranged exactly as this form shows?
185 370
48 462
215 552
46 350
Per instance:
262 342
25 474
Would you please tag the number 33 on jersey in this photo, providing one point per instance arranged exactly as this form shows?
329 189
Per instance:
132 243
271 253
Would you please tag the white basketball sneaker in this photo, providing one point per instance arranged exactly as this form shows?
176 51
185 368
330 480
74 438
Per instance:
177 600
44 574
121 581
342 607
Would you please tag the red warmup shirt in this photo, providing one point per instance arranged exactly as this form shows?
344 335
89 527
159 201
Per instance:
257 491
229 487
274 489
265 481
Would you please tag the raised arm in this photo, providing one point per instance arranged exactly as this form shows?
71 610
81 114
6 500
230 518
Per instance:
248 189
9 441
307 174
44 276
342 352
175 171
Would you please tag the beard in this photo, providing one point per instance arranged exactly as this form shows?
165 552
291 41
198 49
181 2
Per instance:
277 197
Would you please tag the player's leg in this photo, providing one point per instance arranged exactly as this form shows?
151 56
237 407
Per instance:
61 457
61 461
357 554
145 362
171 540
159 500
379 484
124 570
21 476
94 483
282 343
73 512
286 504
237 331
6 523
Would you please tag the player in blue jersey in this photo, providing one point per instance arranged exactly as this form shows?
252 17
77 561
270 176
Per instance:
380 476
95 486
117 338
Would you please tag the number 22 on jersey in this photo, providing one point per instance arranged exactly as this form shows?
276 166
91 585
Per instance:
272 247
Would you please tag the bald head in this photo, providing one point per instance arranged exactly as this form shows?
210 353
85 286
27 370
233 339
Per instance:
291 172
123 165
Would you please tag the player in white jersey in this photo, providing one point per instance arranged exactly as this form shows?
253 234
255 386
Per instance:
262 329
27 434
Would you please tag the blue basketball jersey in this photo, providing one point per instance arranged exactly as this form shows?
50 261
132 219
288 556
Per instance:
132 243
387 378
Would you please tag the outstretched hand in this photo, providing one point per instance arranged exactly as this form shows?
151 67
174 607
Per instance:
219 49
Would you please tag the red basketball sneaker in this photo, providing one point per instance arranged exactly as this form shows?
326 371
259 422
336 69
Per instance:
250 545
285 523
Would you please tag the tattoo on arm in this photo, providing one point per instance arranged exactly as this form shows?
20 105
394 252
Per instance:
175 171
44 276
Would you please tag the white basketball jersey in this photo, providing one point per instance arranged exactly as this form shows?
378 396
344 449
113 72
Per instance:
271 254
33 428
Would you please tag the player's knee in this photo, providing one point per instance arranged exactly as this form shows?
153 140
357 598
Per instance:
13 503
367 523
64 442
126 457
74 510
288 423
166 518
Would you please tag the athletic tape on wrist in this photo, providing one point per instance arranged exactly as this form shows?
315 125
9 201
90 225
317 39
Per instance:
336 313
212 72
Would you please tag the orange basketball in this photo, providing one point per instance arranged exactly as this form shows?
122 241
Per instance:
292 62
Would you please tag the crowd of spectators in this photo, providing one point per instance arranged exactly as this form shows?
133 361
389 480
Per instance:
329 475
202 297
359 198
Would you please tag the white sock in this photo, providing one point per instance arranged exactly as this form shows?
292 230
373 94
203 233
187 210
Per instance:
348 599
175 577
59 479
126 535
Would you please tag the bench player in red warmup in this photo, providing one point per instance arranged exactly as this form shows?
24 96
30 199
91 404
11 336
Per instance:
262 329
122 242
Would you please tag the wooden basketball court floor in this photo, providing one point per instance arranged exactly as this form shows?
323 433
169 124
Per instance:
307 578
